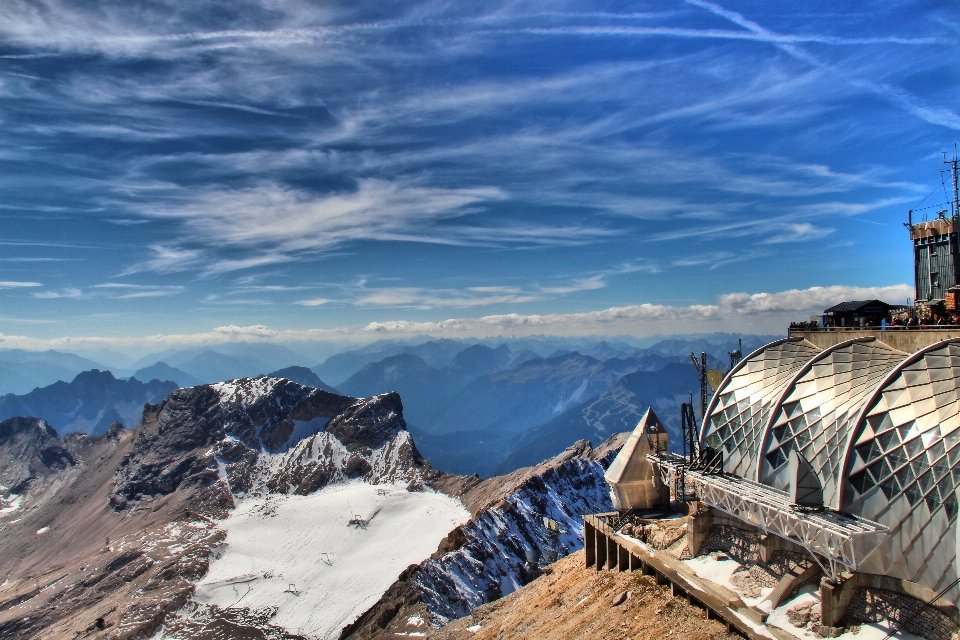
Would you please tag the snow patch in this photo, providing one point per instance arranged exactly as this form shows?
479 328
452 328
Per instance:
10 504
719 572
306 428
42 530
302 556
416 621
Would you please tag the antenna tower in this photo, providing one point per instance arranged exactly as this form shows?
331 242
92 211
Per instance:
701 366
688 423
956 187
736 356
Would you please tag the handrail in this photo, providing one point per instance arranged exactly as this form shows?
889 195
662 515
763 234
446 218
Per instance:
920 327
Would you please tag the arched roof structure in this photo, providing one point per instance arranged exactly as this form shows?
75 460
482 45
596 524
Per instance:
881 428
741 406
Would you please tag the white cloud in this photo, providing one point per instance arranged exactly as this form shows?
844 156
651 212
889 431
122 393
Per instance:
11 284
113 291
315 302
741 312
276 222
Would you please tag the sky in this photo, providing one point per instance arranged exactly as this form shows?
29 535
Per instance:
182 172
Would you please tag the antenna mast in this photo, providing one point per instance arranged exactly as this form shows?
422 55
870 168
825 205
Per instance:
956 186
701 366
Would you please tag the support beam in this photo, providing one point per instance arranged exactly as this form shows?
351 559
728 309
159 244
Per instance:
600 542
590 544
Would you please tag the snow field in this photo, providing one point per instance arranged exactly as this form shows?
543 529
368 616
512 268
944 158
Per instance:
720 572
301 555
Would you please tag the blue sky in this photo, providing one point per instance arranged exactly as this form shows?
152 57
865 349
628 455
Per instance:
291 170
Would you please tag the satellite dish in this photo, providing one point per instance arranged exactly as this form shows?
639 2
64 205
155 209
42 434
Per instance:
714 378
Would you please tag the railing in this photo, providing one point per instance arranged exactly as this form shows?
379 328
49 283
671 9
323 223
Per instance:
920 327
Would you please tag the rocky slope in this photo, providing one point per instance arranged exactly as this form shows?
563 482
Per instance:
484 559
108 534
574 602
90 403
111 534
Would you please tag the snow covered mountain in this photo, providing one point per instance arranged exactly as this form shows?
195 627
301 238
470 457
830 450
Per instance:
263 435
285 509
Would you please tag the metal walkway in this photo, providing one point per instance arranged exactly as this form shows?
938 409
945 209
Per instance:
839 538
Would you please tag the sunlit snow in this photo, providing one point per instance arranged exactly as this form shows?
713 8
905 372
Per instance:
300 553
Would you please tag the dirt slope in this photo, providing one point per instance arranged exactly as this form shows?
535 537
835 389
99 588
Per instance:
572 602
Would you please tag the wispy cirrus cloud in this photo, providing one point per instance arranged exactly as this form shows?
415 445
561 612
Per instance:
276 224
113 291
458 149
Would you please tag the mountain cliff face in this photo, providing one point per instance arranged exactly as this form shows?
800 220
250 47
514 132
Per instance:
265 434
90 403
30 453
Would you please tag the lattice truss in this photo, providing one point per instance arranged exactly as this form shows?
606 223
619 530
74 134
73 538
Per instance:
819 407
837 537
904 468
741 407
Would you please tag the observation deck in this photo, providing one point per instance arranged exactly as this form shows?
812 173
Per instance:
906 339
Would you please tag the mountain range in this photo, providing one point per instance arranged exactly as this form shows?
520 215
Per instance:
89 403
287 510
480 407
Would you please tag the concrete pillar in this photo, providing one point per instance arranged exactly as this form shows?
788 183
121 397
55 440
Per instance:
635 563
770 543
834 599
624 563
601 544
612 554
698 528
589 543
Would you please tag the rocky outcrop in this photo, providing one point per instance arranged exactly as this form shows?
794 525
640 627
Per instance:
266 434
30 451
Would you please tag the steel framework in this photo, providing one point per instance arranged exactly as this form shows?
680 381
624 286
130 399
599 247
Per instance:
841 539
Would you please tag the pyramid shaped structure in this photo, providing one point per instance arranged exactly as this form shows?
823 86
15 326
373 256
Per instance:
632 482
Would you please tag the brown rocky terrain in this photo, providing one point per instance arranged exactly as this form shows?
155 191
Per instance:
72 566
572 602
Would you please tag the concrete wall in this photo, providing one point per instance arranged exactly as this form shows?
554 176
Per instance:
906 340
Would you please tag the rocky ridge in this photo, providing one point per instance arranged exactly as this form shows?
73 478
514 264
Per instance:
484 559
265 434
155 495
